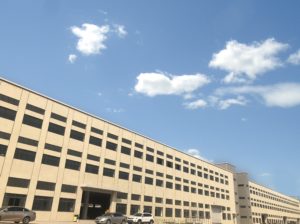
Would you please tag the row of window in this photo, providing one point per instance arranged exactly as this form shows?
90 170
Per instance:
40 203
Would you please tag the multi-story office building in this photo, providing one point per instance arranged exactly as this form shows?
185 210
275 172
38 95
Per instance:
61 162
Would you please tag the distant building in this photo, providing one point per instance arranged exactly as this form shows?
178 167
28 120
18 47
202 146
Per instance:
62 162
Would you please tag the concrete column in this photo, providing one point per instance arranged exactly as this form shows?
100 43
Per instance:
85 204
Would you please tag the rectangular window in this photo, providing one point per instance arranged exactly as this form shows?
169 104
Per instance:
73 165
159 153
178 213
57 129
178 187
28 141
108 172
125 150
186 188
77 135
23 154
96 130
137 168
41 203
159 161
92 157
149 180
89 168
147 198
32 121
159 183
68 188
177 166
135 197
3 150
149 149
74 153
185 169
169 156
109 161
4 135
111 146
18 182
14 200
134 209
121 195
9 99
149 171
7 113
169 212
138 154
149 158
126 141
47 186
78 124
169 164
35 109
169 185
50 160
58 117
112 136
122 208
169 201
158 200
123 175
95 141
138 145
177 202
136 178
52 147
66 205
124 165
158 211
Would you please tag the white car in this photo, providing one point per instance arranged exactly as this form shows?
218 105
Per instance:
141 217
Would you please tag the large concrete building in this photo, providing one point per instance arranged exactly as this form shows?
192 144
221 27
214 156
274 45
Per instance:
62 162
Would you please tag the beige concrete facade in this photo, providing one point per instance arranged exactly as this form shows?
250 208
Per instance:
47 146
61 162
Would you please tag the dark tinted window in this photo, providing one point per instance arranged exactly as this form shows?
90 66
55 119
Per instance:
92 157
137 168
109 161
58 117
97 131
125 150
7 113
50 160
112 136
77 135
78 124
136 178
3 149
159 183
160 153
23 154
149 149
124 165
68 188
18 182
66 205
57 129
42 203
4 135
14 200
35 109
123 175
95 141
91 169
138 154
108 172
27 141
52 147
148 180
127 141
32 121
9 99
74 153
149 158
43 185
73 165
138 145
111 146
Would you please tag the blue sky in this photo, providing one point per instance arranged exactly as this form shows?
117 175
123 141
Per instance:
218 79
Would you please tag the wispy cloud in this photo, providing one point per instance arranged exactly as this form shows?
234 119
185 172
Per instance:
196 153
195 104
294 58
245 62
72 58
153 84
120 30
225 104
283 95
265 174
91 38
114 110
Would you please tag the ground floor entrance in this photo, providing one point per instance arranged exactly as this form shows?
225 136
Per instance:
94 204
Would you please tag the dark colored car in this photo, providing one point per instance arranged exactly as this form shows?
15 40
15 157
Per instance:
17 214
111 218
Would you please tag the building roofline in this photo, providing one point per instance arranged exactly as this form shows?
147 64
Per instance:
102 119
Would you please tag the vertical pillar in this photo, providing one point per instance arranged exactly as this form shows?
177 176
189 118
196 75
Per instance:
85 204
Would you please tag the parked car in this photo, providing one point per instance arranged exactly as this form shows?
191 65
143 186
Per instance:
111 218
141 217
17 214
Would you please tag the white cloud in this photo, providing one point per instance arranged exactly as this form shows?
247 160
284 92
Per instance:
245 62
153 84
265 174
195 104
115 110
72 58
283 95
120 30
196 153
91 38
294 58
243 119
225 104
